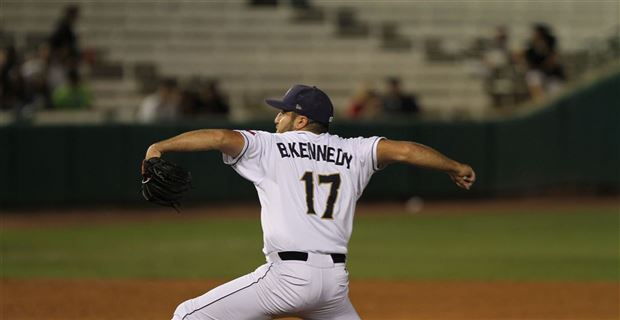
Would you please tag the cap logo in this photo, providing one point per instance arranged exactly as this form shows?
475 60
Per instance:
298 107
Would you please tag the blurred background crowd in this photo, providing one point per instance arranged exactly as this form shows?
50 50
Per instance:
166 61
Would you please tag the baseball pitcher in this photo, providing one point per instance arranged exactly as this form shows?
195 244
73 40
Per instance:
308 182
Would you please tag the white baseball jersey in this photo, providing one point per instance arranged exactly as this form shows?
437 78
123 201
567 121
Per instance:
308 185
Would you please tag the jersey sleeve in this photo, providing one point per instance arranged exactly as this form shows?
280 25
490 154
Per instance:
250 163
366 153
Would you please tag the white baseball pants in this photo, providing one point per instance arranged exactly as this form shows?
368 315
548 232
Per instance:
313 289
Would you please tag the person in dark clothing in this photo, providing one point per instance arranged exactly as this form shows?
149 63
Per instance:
12 90
204 98
213 100
544 74
63 41
397 102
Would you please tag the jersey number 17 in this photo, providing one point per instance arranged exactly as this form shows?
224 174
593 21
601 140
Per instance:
333 180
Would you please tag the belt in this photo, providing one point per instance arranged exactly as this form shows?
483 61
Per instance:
303 256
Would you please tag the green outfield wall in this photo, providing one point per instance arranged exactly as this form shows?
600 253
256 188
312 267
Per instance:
573 143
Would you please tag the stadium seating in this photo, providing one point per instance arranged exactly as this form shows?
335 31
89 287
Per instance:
259 52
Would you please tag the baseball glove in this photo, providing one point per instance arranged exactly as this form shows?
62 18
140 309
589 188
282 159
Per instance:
164 182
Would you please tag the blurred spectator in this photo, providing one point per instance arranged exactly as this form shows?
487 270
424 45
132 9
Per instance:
366 104
162 105
499 69
64 51
396 102
12 91
204 98
545 74
213 99
64 41
73 95
57 68
189 103
35 74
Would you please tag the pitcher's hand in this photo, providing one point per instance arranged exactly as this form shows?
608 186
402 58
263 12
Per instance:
464 176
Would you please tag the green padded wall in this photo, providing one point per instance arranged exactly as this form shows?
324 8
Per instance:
573 142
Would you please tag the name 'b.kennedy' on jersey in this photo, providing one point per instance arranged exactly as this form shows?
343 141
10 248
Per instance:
308 185
316 152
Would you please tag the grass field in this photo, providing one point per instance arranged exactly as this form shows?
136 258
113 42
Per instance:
576 244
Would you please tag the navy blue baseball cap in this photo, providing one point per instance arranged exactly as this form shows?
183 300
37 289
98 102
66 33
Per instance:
308 101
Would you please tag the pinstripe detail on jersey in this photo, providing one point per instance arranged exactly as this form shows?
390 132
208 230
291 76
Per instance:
228 295
245 148
375 164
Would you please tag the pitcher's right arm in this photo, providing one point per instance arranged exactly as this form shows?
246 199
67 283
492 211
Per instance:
390 151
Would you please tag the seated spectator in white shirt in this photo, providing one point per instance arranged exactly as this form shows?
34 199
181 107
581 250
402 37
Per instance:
161 106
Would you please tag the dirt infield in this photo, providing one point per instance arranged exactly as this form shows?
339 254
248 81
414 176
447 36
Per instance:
156 299
374 299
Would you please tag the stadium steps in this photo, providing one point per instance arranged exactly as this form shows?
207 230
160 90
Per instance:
254 59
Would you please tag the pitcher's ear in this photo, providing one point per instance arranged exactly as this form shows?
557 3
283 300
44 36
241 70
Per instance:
301 121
